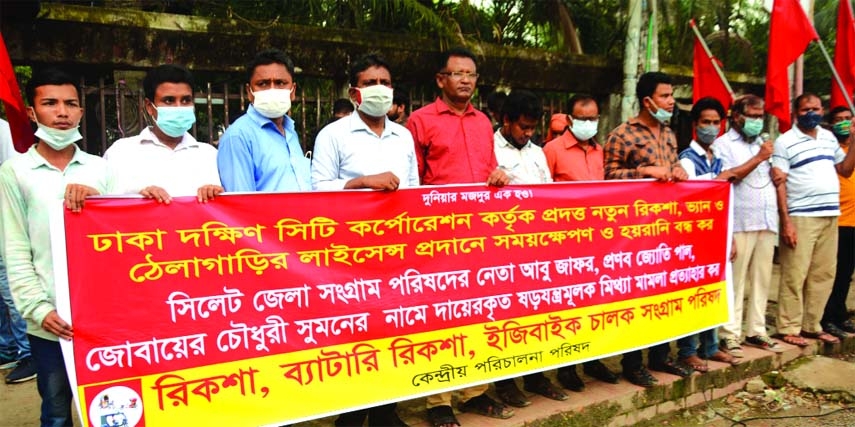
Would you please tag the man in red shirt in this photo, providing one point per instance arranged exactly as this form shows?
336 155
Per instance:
454 141
576 156
454 145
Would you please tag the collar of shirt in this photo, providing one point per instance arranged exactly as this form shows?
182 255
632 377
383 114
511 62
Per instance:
507 144
356 125
36 160
443 108
696 147
821 133
148 137
262 121
664 132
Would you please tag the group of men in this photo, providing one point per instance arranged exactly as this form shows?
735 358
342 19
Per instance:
450 142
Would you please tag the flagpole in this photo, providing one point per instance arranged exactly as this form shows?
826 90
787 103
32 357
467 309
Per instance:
836 76
712 59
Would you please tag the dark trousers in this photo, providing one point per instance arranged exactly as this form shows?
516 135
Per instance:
835 308
657 355
357 418
52 382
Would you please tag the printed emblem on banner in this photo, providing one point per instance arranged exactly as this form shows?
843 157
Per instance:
116 406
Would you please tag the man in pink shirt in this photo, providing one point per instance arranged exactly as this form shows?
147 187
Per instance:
454 145
576 155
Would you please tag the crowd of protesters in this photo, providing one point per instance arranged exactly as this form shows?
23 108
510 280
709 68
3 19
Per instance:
794 193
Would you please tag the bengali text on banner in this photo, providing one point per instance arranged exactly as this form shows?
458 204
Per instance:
264 309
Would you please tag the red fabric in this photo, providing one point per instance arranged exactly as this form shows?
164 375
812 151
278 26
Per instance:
790 33
452 148
844 54
707 82
10 94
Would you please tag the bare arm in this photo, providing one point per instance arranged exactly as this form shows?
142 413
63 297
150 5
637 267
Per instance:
788 231
846 167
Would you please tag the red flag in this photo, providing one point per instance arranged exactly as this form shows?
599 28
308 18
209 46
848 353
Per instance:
707 81
844 54
790 33
10 94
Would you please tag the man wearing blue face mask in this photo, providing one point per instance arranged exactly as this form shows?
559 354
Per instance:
700 163
809 158
260 151
53 170
164 160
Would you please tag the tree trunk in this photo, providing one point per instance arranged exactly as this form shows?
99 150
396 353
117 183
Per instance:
630 58
568 28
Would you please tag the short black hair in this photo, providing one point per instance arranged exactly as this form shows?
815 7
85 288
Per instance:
48 76
706 103
458 51
745 101
166 73
522 103
495 100
365 62
807 95
401 97
267 57
342 105
835 111
580 98
647 84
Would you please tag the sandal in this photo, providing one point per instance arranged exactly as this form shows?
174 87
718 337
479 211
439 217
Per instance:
442 416
546 389
822 336
793 340
508 392
696 363
486 406
723 357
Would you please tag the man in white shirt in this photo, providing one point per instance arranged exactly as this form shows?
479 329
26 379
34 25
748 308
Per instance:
524 163
164 160
810 159
745 157
366 150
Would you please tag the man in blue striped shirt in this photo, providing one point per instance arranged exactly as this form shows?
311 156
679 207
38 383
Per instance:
809 158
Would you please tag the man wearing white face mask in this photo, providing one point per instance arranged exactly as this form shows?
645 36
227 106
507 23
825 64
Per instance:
575 155
30 186
260 151
164 160
366 149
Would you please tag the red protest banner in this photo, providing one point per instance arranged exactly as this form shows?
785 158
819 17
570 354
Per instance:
273 308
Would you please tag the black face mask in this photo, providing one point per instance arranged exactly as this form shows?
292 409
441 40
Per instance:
809 120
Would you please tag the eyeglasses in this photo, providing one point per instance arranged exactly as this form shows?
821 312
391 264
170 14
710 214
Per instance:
459 75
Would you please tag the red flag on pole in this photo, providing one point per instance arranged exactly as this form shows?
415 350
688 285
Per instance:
707 81
10 94
790 33
844 54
